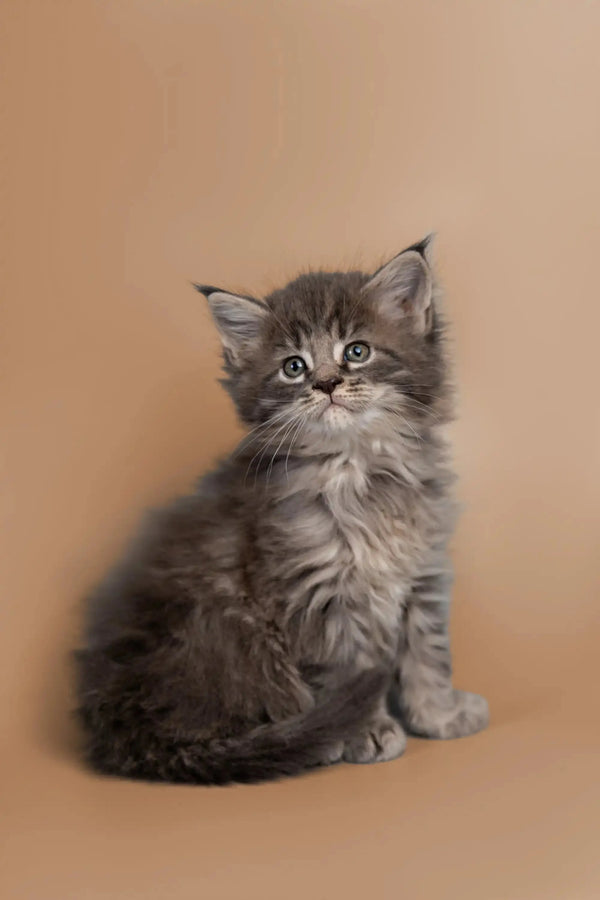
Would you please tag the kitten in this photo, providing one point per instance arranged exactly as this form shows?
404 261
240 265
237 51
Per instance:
293 610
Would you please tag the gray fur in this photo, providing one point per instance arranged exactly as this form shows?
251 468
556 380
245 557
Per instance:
293 610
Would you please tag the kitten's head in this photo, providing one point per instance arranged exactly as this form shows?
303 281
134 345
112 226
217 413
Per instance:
335 354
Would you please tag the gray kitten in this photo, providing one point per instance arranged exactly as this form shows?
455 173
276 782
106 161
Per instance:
293 610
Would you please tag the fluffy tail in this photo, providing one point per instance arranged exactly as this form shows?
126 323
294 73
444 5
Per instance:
267 752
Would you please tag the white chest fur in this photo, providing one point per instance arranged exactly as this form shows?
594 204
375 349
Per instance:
360 546
372 528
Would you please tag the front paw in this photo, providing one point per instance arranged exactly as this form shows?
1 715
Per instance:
462 715
383 739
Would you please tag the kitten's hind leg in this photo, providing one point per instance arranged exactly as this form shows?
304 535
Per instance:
430 706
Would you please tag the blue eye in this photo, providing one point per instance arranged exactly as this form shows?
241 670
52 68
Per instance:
357 352
294 366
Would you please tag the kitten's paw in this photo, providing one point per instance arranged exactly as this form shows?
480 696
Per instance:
333 754
384 739
466 714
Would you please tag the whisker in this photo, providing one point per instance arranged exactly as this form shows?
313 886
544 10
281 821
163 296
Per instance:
281 442
409 387
264 448
403 419
295 435
268 444
421 406
270 421
407 423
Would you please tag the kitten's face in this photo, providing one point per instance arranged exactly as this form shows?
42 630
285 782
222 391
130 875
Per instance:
335 354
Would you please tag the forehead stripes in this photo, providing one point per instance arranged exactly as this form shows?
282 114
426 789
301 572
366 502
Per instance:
327 303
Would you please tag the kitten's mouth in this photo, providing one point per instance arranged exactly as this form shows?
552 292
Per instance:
335 402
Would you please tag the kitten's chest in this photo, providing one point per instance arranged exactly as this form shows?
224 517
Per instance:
374 524
352 553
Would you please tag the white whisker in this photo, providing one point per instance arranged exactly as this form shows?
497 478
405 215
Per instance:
295 435
281 442
264 448
270 421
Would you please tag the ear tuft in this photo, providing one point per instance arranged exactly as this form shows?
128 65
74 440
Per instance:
423 247
238 319
206 289
403 287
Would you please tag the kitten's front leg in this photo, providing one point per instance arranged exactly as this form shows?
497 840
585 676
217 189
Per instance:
383 739
430 705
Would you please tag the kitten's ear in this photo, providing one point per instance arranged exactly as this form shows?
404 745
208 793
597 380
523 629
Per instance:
404 286
238 319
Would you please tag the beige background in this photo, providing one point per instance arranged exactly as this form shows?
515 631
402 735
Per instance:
152 142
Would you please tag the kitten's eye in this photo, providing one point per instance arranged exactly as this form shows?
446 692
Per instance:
294 366
357 352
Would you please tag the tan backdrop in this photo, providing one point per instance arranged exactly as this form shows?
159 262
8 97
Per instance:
153 142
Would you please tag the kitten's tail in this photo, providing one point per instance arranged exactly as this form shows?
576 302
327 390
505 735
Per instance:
274 750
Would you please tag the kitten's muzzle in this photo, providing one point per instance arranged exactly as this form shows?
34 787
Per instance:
328 386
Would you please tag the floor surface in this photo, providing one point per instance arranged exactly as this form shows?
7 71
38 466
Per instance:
509 814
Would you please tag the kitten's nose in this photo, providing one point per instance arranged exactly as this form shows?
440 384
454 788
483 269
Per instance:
328 386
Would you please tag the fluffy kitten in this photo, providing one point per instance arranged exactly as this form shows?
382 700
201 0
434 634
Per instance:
293 610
